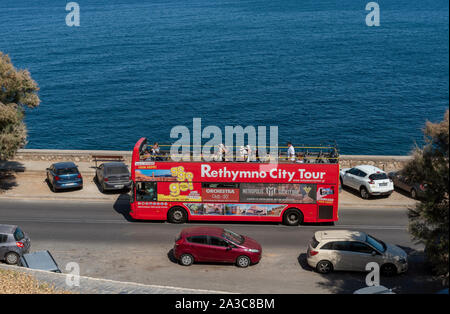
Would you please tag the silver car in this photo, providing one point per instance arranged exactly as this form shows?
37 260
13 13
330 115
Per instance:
13 244
351 251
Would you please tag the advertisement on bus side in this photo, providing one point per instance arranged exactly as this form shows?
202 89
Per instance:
235 209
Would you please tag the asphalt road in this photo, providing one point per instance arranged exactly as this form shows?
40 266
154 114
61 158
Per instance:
106 245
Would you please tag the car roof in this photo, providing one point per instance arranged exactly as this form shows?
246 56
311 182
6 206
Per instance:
202 230
67 164
7 228
114 164
369 169
342 235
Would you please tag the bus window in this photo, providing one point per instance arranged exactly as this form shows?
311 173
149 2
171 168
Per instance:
146 191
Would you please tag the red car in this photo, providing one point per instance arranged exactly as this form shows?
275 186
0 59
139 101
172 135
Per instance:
210 244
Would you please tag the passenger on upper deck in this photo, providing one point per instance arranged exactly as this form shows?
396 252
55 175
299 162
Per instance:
291 152
246 153
155 151
300 158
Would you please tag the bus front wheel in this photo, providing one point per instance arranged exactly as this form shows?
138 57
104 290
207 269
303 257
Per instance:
292 217
177 215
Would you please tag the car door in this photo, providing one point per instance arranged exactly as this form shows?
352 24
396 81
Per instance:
100 172
362 254
339 254
199 247
50 174
219 250
3 243
353 178
360 179
347 177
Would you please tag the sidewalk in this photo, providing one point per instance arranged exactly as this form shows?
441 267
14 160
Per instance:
88 285
26 180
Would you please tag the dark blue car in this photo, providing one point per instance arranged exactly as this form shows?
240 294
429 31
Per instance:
64 175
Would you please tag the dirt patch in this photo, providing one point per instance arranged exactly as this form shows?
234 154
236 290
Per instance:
19 283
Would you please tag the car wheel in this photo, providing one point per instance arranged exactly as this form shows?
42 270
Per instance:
243 261
292 217
364 194
388 270
177 215
324 267
12 258
413 194
52 186
341 181
186 259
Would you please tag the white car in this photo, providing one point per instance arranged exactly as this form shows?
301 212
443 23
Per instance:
368 180
374 290
351 251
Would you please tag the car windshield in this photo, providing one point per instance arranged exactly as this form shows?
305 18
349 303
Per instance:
117 170
379 245
378 176
233 237
18 234
66 171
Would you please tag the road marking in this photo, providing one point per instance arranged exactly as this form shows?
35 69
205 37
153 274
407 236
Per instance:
116 221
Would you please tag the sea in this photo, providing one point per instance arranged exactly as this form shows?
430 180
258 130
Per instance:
312 68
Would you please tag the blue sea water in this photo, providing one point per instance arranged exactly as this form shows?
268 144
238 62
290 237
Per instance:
313 68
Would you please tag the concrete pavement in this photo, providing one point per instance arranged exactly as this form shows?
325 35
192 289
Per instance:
89 285
106 245
26 180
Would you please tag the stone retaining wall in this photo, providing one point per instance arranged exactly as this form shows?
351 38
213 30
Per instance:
387 163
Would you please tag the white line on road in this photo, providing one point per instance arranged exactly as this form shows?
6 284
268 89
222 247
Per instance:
116 221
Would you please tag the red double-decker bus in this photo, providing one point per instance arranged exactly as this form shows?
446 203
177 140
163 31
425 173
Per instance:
181 191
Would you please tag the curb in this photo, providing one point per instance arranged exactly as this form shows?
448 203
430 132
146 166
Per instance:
390 205
46 198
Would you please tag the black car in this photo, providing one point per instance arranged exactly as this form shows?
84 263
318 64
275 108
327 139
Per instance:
64 175
401 181
113 176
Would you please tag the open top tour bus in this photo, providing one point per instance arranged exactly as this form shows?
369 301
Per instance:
287 191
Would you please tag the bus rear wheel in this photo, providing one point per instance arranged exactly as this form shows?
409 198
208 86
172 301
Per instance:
177 215
292 217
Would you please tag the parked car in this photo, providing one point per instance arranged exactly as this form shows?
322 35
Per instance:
368 180
42 260
13 244
113 176
64 175
211 244
374 290
351 251
416 190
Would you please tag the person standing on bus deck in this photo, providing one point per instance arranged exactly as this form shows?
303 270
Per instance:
291 152
155 151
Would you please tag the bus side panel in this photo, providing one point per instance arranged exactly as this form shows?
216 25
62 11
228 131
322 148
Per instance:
149 210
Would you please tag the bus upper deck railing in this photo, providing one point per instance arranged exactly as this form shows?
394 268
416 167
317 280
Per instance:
263 154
